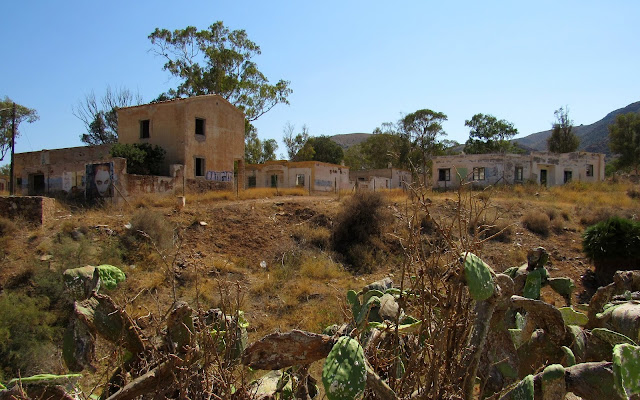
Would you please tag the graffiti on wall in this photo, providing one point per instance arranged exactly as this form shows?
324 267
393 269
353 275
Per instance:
320 182
99 178
219 176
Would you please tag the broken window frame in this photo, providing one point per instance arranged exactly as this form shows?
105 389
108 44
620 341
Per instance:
518 175
444 174
299 179
589 169
478 173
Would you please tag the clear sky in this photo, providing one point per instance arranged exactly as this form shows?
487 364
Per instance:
352 64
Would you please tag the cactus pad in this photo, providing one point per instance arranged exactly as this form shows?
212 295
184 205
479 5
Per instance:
524 389
569 356
110 275
344 374
354 302
479 277
626 369
611 337
573 317
534 284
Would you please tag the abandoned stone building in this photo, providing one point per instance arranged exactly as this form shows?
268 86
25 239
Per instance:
313 176
547 169
203 133
203 138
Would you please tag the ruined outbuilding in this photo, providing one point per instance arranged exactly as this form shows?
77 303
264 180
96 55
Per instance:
379 179
313 176
547 169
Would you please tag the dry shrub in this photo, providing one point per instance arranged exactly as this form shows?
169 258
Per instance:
500 231
537 222
315 236
634 193
359 228
149 231
592 216
557 226
7 227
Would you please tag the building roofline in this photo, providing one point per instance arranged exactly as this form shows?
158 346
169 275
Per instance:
299 164
184 99
67 148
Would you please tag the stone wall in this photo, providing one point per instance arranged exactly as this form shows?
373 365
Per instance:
34 209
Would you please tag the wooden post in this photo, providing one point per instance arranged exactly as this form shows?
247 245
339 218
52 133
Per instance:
13 143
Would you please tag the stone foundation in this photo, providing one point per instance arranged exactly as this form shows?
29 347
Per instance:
34 209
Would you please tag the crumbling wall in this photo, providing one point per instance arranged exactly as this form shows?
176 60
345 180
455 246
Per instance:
35 209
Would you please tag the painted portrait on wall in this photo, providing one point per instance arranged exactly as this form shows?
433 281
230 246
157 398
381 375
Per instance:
99 180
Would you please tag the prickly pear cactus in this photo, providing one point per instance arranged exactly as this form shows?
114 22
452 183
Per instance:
354 302
553 383
626 369
534 283
573 317
479 277
344 374
110 275
524 389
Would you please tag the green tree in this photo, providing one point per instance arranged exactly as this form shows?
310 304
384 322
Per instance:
258 151
624 140
354 158
562 139
324 150
294 141
100 116
383 149
423 128
218 61
6 120
5 169
489 135
142 158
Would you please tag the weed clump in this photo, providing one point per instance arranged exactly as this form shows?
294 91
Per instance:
358 230
149 231
537 222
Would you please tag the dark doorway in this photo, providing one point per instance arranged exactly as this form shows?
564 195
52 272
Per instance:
274 181
36 184
543 177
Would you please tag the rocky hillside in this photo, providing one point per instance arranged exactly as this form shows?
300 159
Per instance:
593 137
347 140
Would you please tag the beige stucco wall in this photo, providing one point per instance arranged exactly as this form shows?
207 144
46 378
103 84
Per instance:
63 169
500 168
172 127
322 177
386 178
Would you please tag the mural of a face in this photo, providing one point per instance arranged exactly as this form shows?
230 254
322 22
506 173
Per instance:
102 179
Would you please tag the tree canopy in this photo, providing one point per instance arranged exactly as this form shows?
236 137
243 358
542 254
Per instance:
321 148
218 61
562 139
489 135
294 141
258 151
6 117
423 128
142 158
624 140
100 117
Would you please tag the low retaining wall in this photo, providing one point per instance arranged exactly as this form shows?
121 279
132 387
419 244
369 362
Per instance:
34 209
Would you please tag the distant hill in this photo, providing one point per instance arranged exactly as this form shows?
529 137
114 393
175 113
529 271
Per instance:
347 140
593 137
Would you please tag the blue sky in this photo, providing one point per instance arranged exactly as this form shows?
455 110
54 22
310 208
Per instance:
352 64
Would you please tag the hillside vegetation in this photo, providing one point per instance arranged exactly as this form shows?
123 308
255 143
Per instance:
287 261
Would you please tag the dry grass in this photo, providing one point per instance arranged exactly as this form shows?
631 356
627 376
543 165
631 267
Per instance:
537 222
309 235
